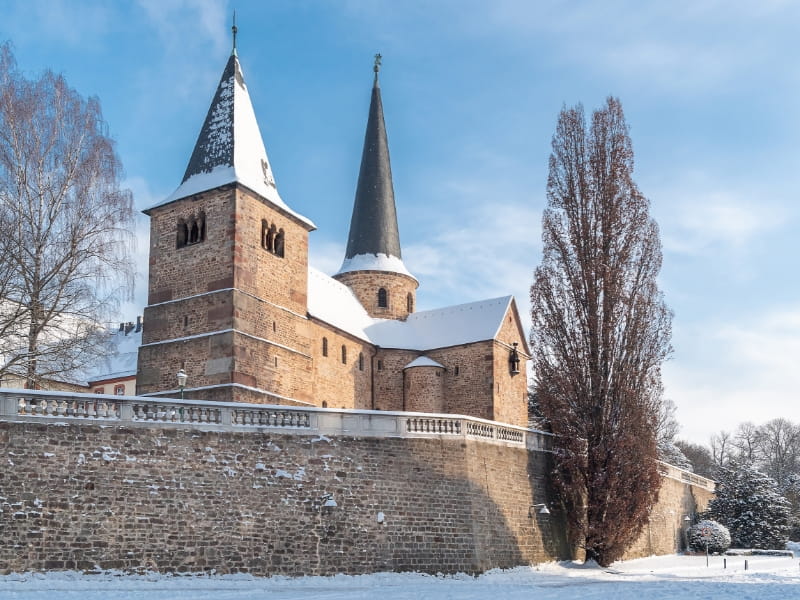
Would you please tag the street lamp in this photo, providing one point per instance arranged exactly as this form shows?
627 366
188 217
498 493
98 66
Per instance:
182 380
540 508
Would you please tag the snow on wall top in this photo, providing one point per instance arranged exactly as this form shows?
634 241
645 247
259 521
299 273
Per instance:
230 147
375 262
335 303
423 361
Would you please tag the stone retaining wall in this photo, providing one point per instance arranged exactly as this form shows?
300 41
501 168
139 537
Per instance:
97 481
81 496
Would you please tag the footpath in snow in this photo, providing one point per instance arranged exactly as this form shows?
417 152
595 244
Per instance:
656 578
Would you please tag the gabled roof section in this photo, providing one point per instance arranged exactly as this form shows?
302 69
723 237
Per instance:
335 304
442 327
374 239
229 148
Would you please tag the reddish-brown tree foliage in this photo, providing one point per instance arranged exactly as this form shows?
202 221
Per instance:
600 332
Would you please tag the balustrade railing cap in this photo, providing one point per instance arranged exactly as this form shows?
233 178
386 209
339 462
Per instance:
457 420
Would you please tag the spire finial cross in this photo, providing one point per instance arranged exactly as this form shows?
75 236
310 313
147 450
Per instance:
377 66
235 30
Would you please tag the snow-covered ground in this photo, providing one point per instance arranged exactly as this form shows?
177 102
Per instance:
656 578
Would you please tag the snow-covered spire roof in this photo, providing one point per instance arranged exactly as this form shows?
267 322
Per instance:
230 148
374 240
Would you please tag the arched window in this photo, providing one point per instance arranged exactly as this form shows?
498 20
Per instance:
183 234
360 361
383 299
201 224
410 302
194 233
273 240
344 354
324 346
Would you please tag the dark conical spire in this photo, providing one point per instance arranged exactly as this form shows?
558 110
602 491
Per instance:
373 227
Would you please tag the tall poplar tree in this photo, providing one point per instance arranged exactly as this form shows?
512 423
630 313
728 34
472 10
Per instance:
601 330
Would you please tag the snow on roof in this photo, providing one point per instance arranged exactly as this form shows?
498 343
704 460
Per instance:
423 361
442 327
121 364
230 147
375 262
335 304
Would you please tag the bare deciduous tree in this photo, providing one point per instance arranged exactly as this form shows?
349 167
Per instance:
600 332
699 456
722 448
746 443
778 443
66 223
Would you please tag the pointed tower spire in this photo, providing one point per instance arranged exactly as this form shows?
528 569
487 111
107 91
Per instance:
374 240
373 245
230 148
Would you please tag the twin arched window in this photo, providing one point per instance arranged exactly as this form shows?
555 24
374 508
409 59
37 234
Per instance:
191 230
272 238
383 298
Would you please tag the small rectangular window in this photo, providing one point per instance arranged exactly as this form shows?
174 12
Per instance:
119 390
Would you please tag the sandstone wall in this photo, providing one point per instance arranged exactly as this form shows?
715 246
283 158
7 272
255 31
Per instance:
365 286
80 496
665 531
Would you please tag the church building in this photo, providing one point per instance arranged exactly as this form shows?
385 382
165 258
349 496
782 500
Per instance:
233 301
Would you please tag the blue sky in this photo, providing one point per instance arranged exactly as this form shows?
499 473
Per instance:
471 94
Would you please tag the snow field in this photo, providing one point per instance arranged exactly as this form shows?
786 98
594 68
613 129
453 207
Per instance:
655 578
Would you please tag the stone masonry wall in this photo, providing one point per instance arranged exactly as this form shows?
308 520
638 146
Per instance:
197 268
80 496
511 390
340 383
665 532
365 286
423 387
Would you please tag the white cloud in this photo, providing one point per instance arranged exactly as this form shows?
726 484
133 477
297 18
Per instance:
736 372
716 219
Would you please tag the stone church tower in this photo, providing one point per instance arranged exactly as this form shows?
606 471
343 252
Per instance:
228 276
373 266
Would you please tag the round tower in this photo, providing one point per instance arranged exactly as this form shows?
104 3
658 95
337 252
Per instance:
423 386
373 266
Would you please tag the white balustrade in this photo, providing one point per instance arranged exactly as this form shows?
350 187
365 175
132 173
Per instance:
169 412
